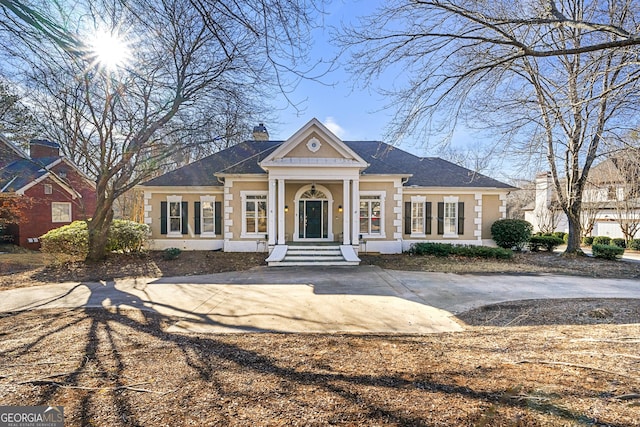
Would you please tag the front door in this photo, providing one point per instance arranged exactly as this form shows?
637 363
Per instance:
313 214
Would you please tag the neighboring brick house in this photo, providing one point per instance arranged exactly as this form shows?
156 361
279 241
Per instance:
58 191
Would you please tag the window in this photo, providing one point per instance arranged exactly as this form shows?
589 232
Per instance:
417 218
175 217
60 212
450 218
208 217
371 214
48 189
207 221
254 213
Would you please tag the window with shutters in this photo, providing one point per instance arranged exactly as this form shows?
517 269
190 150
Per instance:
174 215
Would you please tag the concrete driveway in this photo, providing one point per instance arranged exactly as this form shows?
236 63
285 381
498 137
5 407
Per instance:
364 299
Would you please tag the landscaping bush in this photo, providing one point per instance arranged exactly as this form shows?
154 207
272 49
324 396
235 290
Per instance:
610 252
635 245
71 239
446 249
483 252
426 248
511 233
560 234
548 243
171 253
587 240
619 242
127 236
602 240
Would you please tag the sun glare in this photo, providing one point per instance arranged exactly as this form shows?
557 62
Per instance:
110 51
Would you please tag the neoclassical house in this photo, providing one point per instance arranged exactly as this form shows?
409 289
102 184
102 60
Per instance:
316 198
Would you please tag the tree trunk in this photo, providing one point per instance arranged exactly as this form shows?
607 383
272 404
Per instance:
575 230
99 230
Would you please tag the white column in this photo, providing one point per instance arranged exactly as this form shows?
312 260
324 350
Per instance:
271 226
346 217
281 202
355 209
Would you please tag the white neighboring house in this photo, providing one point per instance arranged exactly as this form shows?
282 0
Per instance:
609 200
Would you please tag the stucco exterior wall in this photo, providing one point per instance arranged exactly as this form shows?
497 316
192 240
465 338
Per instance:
490 213
325 151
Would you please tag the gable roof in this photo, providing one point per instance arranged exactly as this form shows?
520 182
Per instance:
382 159
346 155
20 175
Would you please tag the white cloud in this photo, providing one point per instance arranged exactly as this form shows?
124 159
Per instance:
339 131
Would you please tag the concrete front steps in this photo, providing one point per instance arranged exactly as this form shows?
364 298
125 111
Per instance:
321 255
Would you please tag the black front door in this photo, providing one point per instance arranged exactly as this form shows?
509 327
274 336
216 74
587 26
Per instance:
313 214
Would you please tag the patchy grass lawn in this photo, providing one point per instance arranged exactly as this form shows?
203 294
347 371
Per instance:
525 363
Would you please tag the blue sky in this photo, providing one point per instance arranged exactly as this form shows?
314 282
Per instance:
352 113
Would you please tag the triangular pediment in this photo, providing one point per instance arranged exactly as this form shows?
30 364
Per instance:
315 145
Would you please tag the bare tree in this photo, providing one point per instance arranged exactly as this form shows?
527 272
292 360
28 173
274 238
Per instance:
550 78
190 60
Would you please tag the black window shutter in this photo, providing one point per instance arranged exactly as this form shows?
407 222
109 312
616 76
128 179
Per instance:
460 217
196 217
185 217
218 218
440 217
163 217
407 217
428 215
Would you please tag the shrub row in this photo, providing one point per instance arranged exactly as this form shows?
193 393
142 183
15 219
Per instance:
606 240
73 239
446 249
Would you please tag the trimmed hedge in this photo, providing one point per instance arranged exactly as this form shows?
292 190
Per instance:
610 252
602 240
548 243
587 240
73 239
471 251
635 245
619 242
511 233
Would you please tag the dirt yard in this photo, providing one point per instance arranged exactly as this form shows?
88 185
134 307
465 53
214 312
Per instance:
525 363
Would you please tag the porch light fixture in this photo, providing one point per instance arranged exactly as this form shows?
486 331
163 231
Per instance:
339 208
286 208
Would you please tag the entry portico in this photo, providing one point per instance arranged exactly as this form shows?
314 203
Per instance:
313 163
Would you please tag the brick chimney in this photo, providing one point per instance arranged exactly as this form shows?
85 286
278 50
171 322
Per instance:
41 148
260 133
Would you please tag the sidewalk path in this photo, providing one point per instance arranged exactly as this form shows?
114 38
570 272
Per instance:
363 299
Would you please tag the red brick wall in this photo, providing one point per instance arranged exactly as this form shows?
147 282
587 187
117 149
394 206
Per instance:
40 220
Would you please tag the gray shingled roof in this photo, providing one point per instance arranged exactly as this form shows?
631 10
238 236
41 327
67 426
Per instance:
383 159
21 172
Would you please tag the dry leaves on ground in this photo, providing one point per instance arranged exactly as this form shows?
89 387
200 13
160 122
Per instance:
109 368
